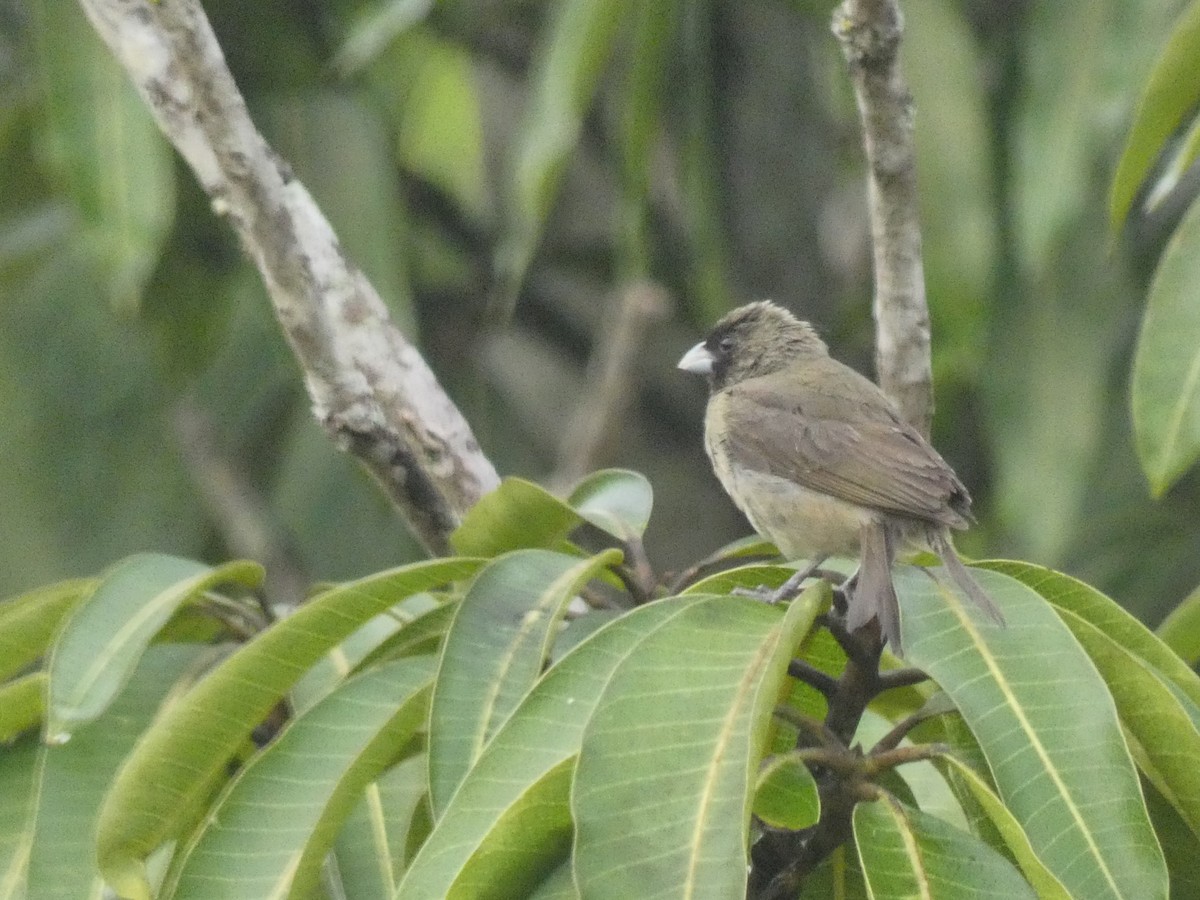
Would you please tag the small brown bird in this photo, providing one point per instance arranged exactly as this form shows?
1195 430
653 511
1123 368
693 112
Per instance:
821 463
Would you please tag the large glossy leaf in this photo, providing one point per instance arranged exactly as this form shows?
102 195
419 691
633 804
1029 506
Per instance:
493 653
490 837
577 46
103 149
423 634
269 833
1166 365
907 853
666 770
1047 886
1048 727
372 850
1161 726
1083 600
104 637
172 766
73 778
1169 97
517 514
616 501
1180 630
28 621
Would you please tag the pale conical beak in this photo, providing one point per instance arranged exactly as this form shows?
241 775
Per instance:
697 360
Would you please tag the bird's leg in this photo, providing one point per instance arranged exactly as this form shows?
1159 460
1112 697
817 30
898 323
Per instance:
788 589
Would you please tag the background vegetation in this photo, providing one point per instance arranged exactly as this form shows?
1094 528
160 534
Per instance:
541 192
708 146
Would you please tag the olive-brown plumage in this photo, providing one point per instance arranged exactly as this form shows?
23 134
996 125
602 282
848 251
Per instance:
819 460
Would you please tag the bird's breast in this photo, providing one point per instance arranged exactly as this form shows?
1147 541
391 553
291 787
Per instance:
801 522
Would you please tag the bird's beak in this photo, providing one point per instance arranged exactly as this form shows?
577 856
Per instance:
697 360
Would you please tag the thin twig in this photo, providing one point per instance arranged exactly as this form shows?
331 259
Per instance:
369 386
870 32
609 383
239 511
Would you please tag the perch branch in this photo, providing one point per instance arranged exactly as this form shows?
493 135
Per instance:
369 386
869 32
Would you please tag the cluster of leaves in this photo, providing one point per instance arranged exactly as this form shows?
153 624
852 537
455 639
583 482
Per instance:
1163 144
436 730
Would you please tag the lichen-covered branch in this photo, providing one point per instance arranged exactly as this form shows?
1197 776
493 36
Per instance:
369 386
870 33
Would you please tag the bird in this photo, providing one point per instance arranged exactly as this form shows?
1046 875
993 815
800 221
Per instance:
820 461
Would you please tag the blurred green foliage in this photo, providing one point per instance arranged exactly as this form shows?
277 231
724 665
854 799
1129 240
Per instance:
501 170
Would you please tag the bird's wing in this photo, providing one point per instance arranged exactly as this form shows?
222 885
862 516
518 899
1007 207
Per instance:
874 460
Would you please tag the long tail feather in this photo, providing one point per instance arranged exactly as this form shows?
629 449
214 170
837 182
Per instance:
962 576
874 595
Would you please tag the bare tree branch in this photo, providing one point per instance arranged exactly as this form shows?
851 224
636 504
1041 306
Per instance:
870 32
369 386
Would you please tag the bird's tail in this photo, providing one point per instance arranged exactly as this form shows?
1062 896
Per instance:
941 545
874 595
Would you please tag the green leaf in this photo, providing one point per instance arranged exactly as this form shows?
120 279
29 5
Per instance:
73 778
1180 630
352 653
19 767
577 46
649 51
1161 727
1047 886
907 853
491 837
22 705
269 833
750 577
516 515
102 640
1084 601
1048 727
616 501
103 150
1166 364
422 635
666 771
372 847
1170 96
1179 843
373 27
840 877
440 125
786 794
188 746
559 885
28 621
494 652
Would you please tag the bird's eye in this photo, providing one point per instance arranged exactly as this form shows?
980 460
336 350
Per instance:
725 345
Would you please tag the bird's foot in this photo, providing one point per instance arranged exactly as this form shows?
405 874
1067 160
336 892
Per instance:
785 591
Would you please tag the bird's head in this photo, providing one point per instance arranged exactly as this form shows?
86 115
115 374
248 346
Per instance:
753 340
